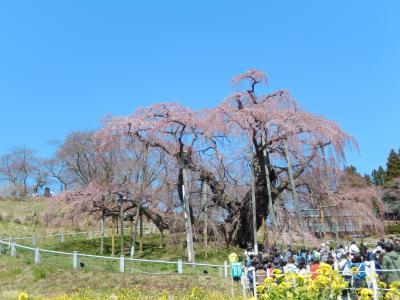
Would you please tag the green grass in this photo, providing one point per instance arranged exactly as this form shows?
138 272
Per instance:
22 218
55 276
44 281
151 251
12 229
23 211
38 272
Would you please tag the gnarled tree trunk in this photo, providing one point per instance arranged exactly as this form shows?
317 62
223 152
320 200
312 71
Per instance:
187 214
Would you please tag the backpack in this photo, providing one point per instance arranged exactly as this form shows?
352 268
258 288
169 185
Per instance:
361 272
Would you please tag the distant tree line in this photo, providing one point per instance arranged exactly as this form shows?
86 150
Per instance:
382 176
388 179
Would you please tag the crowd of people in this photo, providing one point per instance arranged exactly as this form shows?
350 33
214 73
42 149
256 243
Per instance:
383 258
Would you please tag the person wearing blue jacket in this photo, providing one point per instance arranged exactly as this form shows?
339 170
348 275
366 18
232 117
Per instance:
358 279
360 275
376 258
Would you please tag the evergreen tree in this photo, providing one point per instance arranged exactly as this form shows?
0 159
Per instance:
368 179
392 166
378 176
352 170
391 197
353 179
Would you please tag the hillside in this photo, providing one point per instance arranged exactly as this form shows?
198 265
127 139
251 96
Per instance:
54 275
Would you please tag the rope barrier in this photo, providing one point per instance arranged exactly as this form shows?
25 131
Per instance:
2 241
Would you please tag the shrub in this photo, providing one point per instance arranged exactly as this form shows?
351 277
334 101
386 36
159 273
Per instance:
393 229
327 285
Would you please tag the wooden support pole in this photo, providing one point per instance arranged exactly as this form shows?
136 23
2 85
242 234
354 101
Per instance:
141 232
113 237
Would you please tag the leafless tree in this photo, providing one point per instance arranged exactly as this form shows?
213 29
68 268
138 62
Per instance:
16 168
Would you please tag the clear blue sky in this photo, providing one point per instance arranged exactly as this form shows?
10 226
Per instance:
65 64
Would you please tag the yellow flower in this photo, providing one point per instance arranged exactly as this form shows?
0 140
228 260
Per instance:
382 285
268 281
366 294
354 270
390 294
285 284
395 284
322 280
289 295
294 286
23 296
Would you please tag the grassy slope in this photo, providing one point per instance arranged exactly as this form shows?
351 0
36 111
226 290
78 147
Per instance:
151 249
20 218
22 210
19 276
54 275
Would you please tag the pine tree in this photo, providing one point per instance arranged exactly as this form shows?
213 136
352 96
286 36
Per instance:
392 165
378 176
368 179
351 170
